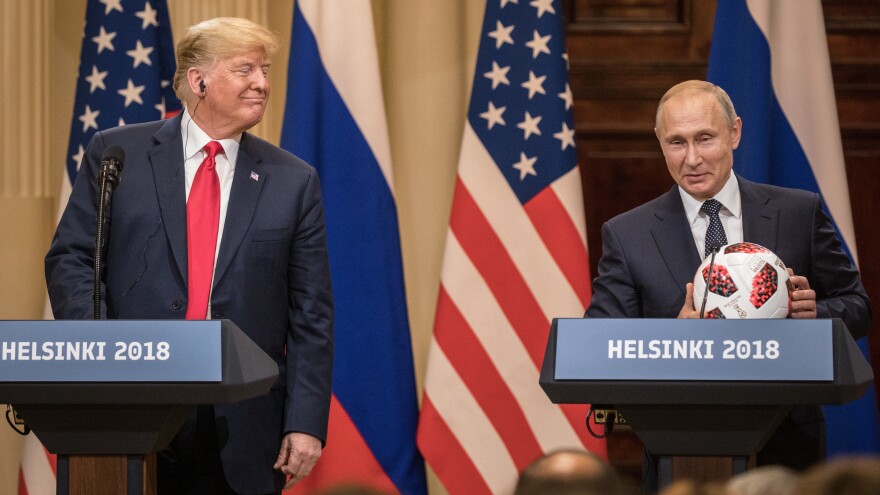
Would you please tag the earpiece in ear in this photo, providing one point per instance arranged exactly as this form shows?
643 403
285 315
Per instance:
202 87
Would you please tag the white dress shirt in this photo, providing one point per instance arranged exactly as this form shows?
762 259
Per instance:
730 214
194 139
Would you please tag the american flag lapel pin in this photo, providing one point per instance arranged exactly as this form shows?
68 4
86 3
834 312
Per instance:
255 176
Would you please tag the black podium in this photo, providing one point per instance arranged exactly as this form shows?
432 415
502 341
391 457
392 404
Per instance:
686 411
104 395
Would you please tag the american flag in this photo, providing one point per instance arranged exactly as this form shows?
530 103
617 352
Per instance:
125 72
515 258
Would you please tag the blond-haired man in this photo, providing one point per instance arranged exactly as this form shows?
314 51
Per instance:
211 222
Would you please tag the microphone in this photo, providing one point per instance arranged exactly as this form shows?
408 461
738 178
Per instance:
111 167
714 248
108 179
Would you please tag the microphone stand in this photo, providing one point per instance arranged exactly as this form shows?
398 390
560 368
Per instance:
106 181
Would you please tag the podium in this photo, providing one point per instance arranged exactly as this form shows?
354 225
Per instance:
106 394
703 395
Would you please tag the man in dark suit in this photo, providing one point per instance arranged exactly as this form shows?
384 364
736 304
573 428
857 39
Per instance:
211 222
651 253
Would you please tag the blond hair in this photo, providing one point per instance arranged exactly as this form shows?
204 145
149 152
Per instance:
215 39
697 86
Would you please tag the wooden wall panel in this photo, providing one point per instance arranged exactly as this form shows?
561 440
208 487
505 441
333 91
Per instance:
624 54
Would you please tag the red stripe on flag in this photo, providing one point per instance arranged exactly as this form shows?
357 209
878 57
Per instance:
53 461
22 487
449 460
562 240
346 459
488 387
501 274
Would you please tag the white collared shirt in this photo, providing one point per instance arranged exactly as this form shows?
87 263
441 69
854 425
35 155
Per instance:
730 214
194 139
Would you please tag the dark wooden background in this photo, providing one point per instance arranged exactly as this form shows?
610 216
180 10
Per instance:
624 54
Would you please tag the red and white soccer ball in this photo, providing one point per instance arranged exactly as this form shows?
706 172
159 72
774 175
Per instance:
748 281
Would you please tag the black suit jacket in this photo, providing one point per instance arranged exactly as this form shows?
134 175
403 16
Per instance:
649 255
271 278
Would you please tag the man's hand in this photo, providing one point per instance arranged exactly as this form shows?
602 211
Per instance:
688 310
801 299
298 455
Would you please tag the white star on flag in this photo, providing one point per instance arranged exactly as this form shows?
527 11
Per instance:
111 5
543 6
505 2
89 118
525 165
498 75
534 84
121 122
565 136
140 54
78 157
501 34
493 115
160 107
539 44
104 40
567 97
96 80
148 15
530 126
132 93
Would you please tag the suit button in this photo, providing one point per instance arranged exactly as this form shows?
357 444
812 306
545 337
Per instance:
218 316
176 305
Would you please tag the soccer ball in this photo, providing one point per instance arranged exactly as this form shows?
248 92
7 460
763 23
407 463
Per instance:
748 281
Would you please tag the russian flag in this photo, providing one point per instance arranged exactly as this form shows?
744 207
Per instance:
335 120
772 59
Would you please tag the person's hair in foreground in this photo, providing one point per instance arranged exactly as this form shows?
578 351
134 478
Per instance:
842 476
569 472
764 480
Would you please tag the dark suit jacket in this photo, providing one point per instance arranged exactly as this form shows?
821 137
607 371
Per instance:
272 276
649 255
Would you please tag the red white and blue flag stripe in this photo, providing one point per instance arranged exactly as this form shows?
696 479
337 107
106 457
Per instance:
335 120
125 72
772 57
515 258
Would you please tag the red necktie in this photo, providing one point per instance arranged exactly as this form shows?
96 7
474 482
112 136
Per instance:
202 220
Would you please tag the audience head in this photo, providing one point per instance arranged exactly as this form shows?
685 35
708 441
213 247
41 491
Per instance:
569 472
842 476
764 480
688 487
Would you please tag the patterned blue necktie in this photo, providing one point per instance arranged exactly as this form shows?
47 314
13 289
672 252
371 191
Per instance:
715 233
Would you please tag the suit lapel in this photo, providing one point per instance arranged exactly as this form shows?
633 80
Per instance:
166 160
242 204
760 221
669 232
